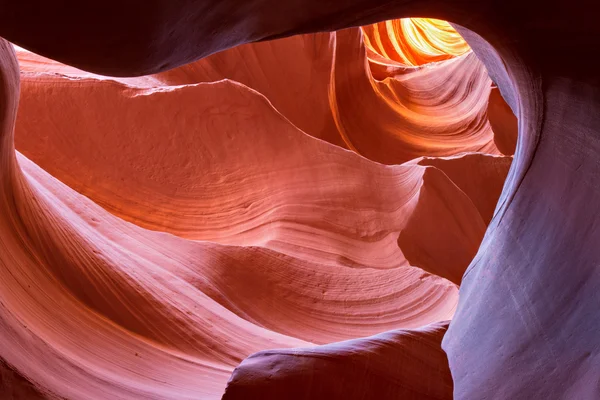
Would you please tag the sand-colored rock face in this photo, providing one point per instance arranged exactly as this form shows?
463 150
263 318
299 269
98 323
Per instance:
313 200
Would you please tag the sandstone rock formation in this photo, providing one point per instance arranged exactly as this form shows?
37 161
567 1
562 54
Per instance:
395 364
158 230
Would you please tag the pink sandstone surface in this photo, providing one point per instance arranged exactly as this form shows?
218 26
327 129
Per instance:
298 216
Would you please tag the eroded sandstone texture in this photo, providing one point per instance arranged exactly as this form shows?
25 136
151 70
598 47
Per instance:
293 218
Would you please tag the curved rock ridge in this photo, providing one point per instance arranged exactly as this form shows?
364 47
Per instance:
164 167
292 270
526 325
437 110
413 41
407 364
182 221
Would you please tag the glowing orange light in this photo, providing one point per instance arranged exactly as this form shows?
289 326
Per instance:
414 41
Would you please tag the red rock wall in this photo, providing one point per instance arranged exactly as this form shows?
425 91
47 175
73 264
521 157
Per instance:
132 251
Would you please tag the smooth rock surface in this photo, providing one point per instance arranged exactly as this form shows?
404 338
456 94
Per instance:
180 227
526 324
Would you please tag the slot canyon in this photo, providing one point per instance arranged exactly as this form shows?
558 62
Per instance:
303 200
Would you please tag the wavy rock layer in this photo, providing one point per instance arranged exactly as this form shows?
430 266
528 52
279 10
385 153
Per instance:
397 364
413 41
158 230
526 325
323 84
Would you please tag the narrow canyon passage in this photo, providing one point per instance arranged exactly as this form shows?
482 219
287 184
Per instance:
207 214
293 217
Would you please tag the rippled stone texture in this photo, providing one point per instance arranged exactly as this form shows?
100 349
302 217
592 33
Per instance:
189 260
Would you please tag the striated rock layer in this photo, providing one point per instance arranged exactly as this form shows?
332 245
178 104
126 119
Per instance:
413 41
156 231
306 247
